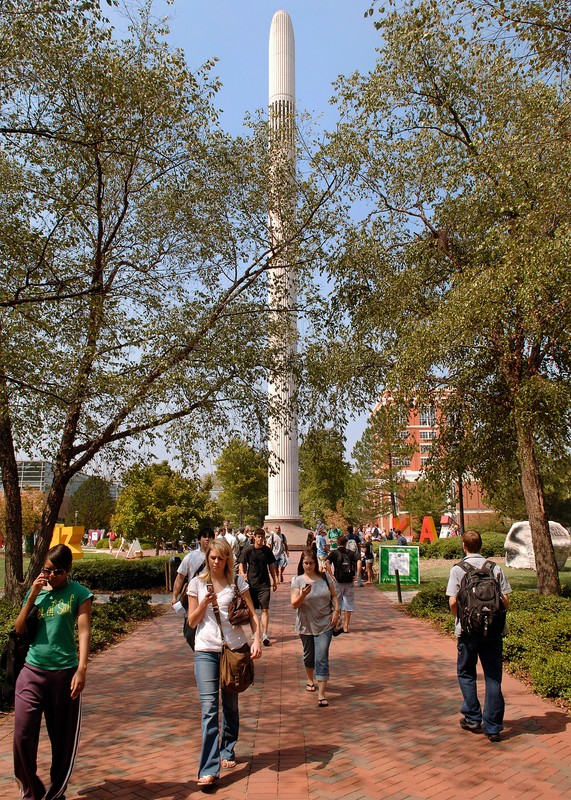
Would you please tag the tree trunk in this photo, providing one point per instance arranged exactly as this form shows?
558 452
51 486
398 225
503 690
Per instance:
14 563
545 564
461 500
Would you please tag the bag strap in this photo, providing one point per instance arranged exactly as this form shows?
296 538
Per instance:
218 620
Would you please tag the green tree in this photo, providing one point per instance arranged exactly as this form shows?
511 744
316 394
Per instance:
32 504
464 157
383 449
242 472
158 503
134 249
424 498
93 504
323 474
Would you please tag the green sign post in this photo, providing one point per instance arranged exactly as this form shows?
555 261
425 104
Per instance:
403 559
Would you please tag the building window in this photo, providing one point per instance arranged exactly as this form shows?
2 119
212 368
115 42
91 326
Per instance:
401 462
427 416
427 435
425 448
424 460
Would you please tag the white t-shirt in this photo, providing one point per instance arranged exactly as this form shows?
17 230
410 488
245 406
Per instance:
190 563
208 637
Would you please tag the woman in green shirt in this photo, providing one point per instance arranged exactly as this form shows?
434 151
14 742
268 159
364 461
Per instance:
53 677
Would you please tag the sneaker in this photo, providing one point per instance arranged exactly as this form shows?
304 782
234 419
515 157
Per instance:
494 737
468 725
266 641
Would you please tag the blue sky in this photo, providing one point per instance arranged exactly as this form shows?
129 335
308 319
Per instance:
332 37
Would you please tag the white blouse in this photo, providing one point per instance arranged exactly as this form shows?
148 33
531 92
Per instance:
208 637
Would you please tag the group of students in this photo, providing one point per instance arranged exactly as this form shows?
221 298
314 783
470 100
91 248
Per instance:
359 543
314 599
53 677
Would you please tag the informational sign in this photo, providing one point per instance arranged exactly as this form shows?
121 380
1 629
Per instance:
403 559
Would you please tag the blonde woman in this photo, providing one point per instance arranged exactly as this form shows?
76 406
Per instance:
215 586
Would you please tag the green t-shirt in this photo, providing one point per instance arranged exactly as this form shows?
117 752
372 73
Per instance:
334 535
54 643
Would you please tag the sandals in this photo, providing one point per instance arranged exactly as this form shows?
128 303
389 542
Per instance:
206 781
228 763
322 702
311 687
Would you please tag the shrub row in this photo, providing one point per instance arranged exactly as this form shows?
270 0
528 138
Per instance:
451 548
112 619
115 575
538 645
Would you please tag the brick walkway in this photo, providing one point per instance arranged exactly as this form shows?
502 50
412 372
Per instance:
391 731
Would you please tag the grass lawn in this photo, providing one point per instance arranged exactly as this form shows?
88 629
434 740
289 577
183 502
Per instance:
435 572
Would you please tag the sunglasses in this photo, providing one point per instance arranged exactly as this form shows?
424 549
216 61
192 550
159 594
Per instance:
48 571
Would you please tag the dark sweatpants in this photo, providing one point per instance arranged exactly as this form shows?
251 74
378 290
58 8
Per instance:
47 691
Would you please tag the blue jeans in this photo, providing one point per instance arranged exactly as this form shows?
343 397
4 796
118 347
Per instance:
216 744
490 653
316 653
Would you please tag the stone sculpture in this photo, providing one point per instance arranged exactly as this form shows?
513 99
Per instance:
519 547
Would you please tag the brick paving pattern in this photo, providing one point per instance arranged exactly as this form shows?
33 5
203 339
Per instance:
391 731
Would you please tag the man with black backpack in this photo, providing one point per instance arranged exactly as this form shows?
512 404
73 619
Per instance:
344 568
478 596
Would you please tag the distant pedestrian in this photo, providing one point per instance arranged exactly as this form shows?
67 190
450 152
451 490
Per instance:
278 543
344 563
322 547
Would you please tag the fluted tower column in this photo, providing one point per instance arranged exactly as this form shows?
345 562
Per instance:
283 484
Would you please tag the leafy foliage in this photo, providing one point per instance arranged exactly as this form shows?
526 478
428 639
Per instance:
135 251
462 158
242 472
381 451
112 575
158 502
93 503
324 475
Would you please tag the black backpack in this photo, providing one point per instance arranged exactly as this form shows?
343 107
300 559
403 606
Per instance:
481 610
344 567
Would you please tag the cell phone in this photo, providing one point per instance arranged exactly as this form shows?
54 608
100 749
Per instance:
209 588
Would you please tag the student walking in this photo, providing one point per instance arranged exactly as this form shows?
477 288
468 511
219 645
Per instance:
316 607
53 677
215 587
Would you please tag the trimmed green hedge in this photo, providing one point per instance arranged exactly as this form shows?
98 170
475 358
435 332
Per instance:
538 645
451 548
115 575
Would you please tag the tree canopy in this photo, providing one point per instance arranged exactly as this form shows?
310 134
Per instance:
461 152
134 252
159 503
324 474
93 504
242 472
